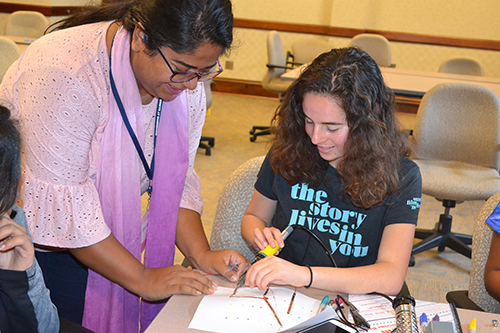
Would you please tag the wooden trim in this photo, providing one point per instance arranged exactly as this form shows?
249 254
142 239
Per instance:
297 28
407 104
45 10
254 88
241 87
482 44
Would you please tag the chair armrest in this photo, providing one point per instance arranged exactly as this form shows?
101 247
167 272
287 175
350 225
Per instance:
277 66
294 63
461 300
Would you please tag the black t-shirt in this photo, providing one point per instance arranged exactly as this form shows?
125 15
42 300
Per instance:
351 234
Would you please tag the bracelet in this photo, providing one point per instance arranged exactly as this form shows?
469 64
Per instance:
311 281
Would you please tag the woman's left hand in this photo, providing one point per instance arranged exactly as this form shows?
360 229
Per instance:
16 250
228 263
276 270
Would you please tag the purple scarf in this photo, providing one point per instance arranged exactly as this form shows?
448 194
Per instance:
108 307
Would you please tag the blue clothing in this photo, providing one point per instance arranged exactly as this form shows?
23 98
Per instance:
494 219
67 290
25 304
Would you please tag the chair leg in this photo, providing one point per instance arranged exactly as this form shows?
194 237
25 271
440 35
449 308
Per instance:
457 245
442 237
259 131
207 146
427 244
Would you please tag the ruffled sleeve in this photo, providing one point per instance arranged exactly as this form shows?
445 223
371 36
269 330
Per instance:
62 105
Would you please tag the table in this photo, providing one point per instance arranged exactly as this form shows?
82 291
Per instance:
177 313
22 42
412 83
409 86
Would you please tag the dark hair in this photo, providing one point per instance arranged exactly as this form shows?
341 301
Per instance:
374 146
10 160
182 25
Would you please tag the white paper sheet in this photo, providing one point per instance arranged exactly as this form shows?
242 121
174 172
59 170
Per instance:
249 312
379 312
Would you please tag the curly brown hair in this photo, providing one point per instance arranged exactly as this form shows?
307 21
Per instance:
375 144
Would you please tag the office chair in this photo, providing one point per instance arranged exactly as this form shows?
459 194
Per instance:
9 52
306 50
233 202
477 298
210 140
26 23
456 140
462 65
276 65
377 46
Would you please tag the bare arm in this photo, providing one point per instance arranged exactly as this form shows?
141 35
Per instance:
193 243
256 222
386 275
110 259
492 269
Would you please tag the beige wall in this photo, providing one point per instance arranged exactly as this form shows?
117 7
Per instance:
457 18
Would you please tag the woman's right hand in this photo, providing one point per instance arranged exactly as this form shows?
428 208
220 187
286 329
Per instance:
163 282
267 236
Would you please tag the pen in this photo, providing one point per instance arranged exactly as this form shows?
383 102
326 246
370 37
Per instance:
472 326
323 304
436 318
423 322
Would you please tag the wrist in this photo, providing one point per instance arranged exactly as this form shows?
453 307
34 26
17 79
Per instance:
311 276
201 260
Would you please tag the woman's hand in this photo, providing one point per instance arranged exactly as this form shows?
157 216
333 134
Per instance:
228 263
16 250
160 283
276 270
163 282
267 236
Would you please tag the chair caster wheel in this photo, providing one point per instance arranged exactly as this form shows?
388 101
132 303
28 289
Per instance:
412 261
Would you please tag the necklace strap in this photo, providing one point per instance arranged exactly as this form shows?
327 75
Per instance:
149 170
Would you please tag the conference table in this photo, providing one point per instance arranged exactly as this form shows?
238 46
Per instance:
409 86
21 42
180 309
412 83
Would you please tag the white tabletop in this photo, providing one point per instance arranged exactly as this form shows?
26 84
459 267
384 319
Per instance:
416 83
180 309
22 42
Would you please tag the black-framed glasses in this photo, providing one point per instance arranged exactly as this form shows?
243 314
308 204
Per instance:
188 76
359 322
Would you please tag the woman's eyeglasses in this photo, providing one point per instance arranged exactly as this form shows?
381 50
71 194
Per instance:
359 321
188 76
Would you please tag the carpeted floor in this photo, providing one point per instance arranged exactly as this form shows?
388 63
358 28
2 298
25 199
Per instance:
231 118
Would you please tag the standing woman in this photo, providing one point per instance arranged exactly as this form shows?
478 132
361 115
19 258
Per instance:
110 107
339 168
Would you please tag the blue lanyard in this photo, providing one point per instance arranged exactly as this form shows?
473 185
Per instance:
149 170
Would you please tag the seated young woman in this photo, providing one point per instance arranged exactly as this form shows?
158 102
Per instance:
338 169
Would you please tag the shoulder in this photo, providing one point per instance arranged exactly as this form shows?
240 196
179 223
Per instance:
408 168
69 49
